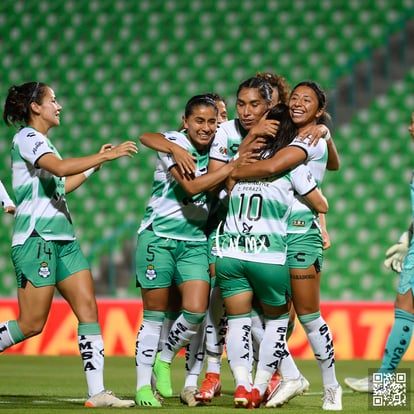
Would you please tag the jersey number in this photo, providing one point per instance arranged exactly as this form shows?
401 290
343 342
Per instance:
250 207
48 252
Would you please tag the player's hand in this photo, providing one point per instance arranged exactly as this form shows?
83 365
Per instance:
10 209
315 133
265 127
105 147
185 161
125 149
395 255
326 240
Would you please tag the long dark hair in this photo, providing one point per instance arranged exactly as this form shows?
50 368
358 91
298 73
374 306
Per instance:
18 100
285 134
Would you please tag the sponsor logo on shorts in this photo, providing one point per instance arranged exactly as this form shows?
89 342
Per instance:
150 274
44 270
299 223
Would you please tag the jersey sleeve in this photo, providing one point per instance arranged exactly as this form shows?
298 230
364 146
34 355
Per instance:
313 152
178 138
218 149
32 146
303 181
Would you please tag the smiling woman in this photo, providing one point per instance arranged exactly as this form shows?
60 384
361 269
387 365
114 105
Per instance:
172 245
45 252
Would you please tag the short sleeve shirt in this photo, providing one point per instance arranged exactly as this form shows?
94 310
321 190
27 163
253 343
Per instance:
40 195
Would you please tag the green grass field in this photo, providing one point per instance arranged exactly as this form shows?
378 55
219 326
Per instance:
42 384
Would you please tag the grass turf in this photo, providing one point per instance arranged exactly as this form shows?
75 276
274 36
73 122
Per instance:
39 384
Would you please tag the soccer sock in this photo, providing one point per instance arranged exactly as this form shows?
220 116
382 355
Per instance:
169 319
147 345
320 339
91 348
194 356
215 332
273 349
257 335
10 334
181 333
398 340
258 326
239 348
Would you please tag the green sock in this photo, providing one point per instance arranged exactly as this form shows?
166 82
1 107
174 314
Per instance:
15 332
398 341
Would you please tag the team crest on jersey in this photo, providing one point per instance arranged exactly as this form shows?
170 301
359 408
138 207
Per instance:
150 274
223 150
44 270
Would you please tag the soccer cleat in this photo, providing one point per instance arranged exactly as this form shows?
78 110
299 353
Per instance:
242 397
256 399
162 371
108 399
187 396
359 384
211 387
287 390
332 398
272 386
145 397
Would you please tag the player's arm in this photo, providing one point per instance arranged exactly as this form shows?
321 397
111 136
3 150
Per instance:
157 141
283 160
72 182
333 163
321 131
208 182
326 240
72 166
317 201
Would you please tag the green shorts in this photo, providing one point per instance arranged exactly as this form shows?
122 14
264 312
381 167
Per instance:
270 282
305 249
46 263
162 262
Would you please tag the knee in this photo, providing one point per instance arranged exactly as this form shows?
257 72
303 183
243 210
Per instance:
30 329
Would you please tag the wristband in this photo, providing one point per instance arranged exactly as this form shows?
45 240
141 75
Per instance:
89 172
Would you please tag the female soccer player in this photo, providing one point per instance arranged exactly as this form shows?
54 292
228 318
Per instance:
172 248
306 104
45 252
251 260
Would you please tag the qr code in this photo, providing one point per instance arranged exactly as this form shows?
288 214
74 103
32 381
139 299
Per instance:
389 390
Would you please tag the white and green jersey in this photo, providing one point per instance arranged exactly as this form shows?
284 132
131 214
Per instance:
256 223
224 147
171 212
40 196
301 216
227 140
